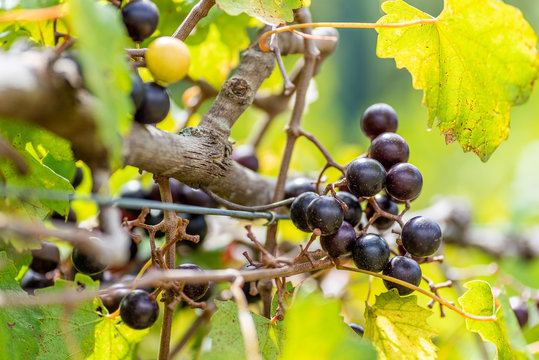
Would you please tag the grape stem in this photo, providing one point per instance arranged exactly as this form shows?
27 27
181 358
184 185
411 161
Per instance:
262 42
422 291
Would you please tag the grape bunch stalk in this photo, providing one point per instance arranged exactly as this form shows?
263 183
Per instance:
376 183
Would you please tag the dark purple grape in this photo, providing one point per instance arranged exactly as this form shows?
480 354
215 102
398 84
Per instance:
113 298
296 187
378 119
248 285
45 259
132 189
33 280
245 155
404 182
357 328
389 149
405 269
155 105
520 309
140 18
385 203
197 226
325 213
139 310
353 215
86 264
190 196
341 242
194 290
421 236
370 252
137 90
366 177
77 178
298 210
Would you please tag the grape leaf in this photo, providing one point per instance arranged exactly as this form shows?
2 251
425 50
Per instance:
504 332
19 335
272 12
64 332
477 60
115 341
227 340
398 327
315 330
100 50
21 259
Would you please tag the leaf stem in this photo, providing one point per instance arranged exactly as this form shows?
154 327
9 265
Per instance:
422 291
355 25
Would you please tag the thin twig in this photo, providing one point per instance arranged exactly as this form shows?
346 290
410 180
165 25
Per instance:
198 12
204 317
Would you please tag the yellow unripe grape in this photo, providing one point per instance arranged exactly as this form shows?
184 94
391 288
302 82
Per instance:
167 59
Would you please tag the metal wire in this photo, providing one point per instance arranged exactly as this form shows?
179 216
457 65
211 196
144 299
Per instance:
23 192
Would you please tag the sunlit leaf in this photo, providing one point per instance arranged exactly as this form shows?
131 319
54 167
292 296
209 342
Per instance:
476 61
273 12
115 340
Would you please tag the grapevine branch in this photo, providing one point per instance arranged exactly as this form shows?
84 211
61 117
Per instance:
199 11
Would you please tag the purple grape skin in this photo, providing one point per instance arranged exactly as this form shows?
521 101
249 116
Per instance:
378 119
366 177
298 210
341 242
325 213
141 18
370 252
389 149
296 187
354 212
405 269
194 291
386 204
155 104
421 236
45 259
404 182
245 155
520 309
139 310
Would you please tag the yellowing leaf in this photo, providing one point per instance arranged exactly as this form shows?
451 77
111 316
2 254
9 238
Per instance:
474 62
272 12
115 341
504 332
398 328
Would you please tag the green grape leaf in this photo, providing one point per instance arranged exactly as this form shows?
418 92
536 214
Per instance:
19 335
504 332
474 62
398 327
114 341
101 51
227 340
315 330
21 259
287 298
65 332
271 12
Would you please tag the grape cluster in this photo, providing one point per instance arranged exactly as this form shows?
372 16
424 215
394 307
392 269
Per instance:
383 179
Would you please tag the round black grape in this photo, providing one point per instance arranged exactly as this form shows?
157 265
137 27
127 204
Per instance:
389 149
404 182
298 210
155 105
113 298
33 280
421 236
86 264
190 196
404 269
341 242
194 291
353 215
357 328
296 187
139 310
140 18
245 155
325 213
370 252
45 259
385 203
366 177
520 309
378 119
137 90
